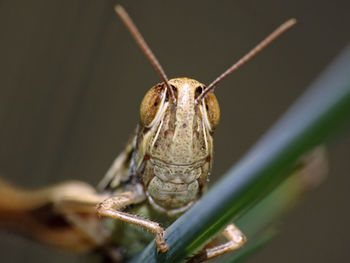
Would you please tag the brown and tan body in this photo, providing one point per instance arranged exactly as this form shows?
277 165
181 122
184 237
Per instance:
162 172
173 147
168 161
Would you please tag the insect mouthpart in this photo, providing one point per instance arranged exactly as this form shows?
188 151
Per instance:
167 196
173 188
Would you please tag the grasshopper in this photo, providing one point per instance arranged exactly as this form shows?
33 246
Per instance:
161 173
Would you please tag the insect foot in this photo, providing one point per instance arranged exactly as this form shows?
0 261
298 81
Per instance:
160 242
236 239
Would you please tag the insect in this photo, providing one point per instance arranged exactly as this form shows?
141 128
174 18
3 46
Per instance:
161 173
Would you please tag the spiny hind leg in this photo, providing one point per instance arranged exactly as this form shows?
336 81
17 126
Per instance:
57 215
110 207
236 239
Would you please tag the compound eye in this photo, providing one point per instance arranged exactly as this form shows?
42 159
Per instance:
150 105
212 110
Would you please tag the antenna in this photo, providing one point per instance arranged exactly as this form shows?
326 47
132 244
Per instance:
124 16
278 31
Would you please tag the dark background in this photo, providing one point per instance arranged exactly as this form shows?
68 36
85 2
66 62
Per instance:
72 80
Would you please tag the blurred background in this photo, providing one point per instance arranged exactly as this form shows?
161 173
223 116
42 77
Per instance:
72 79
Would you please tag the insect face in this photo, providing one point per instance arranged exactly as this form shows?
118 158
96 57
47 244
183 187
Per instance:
177 141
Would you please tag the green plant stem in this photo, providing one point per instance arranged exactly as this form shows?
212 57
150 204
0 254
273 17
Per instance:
309 122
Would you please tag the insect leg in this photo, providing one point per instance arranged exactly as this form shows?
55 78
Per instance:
120 169
79 211
43 214
110 207
236 239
